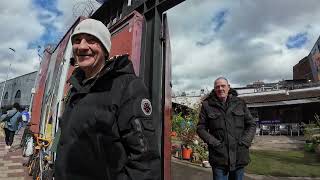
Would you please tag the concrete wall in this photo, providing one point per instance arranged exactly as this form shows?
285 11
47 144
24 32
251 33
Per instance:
24 84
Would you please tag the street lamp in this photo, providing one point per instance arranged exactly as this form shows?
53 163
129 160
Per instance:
5 82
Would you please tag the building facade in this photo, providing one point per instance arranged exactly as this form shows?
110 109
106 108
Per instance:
302 70
18 90
285 106
309 67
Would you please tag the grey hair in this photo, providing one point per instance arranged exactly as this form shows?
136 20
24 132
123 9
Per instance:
219 78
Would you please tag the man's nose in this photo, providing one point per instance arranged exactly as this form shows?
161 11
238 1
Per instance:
83 44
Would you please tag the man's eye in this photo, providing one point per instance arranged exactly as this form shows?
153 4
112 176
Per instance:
76 41
91 41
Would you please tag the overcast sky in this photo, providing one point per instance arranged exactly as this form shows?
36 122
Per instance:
244 40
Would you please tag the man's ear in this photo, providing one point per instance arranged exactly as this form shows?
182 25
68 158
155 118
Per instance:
107 55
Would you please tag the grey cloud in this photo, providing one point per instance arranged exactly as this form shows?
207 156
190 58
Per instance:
19 26
250 46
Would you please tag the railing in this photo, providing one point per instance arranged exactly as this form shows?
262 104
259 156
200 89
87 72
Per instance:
280 129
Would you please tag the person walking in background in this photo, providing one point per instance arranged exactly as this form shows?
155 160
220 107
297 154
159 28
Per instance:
12 119
228 128
25 117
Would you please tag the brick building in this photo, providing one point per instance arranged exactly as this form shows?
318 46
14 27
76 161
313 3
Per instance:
309 67
302 70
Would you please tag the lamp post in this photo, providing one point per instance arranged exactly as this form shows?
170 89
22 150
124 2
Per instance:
5 81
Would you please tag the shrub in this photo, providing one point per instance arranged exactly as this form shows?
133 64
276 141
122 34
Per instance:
312 134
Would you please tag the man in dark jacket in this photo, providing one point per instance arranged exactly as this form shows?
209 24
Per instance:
228 128
107 132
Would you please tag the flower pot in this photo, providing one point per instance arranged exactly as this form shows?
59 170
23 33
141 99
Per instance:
186 153
173 134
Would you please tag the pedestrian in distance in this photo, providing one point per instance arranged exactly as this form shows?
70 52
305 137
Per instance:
12 119
25 117
107 132
226 125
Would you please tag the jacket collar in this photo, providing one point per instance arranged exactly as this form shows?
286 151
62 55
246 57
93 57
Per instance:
114 66
213 99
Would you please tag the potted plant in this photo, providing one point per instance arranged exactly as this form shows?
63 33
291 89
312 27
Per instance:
200 150
185 127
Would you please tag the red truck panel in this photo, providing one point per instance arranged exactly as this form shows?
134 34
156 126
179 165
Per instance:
38 96
126 38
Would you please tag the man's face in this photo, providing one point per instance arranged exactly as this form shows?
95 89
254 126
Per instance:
221 88
88 52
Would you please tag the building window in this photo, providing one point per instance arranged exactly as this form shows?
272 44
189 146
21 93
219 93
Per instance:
18 95
5 95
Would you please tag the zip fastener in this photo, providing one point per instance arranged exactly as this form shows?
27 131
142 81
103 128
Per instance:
226 140
102 154
142 140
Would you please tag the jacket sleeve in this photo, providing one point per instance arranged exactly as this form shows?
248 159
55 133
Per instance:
138 133
3 117
8 116
250 127
203 127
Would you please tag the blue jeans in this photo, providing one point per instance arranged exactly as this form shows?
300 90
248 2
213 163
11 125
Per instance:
222 174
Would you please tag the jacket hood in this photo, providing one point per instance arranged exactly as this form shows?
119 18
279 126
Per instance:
120 64
114 66
212 95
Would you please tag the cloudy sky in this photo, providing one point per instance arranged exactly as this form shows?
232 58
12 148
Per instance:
244 40
27 25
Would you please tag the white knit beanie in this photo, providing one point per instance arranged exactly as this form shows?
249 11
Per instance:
95 28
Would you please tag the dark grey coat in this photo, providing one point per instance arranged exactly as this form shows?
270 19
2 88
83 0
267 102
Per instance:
227 129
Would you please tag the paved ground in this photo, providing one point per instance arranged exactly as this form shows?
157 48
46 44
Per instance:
183 170
278 143
11 167
188 171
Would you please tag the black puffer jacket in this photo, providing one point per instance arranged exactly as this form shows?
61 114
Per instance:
228 130
107 131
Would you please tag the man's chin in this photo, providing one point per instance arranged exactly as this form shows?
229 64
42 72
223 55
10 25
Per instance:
85 59
222 96
86 62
